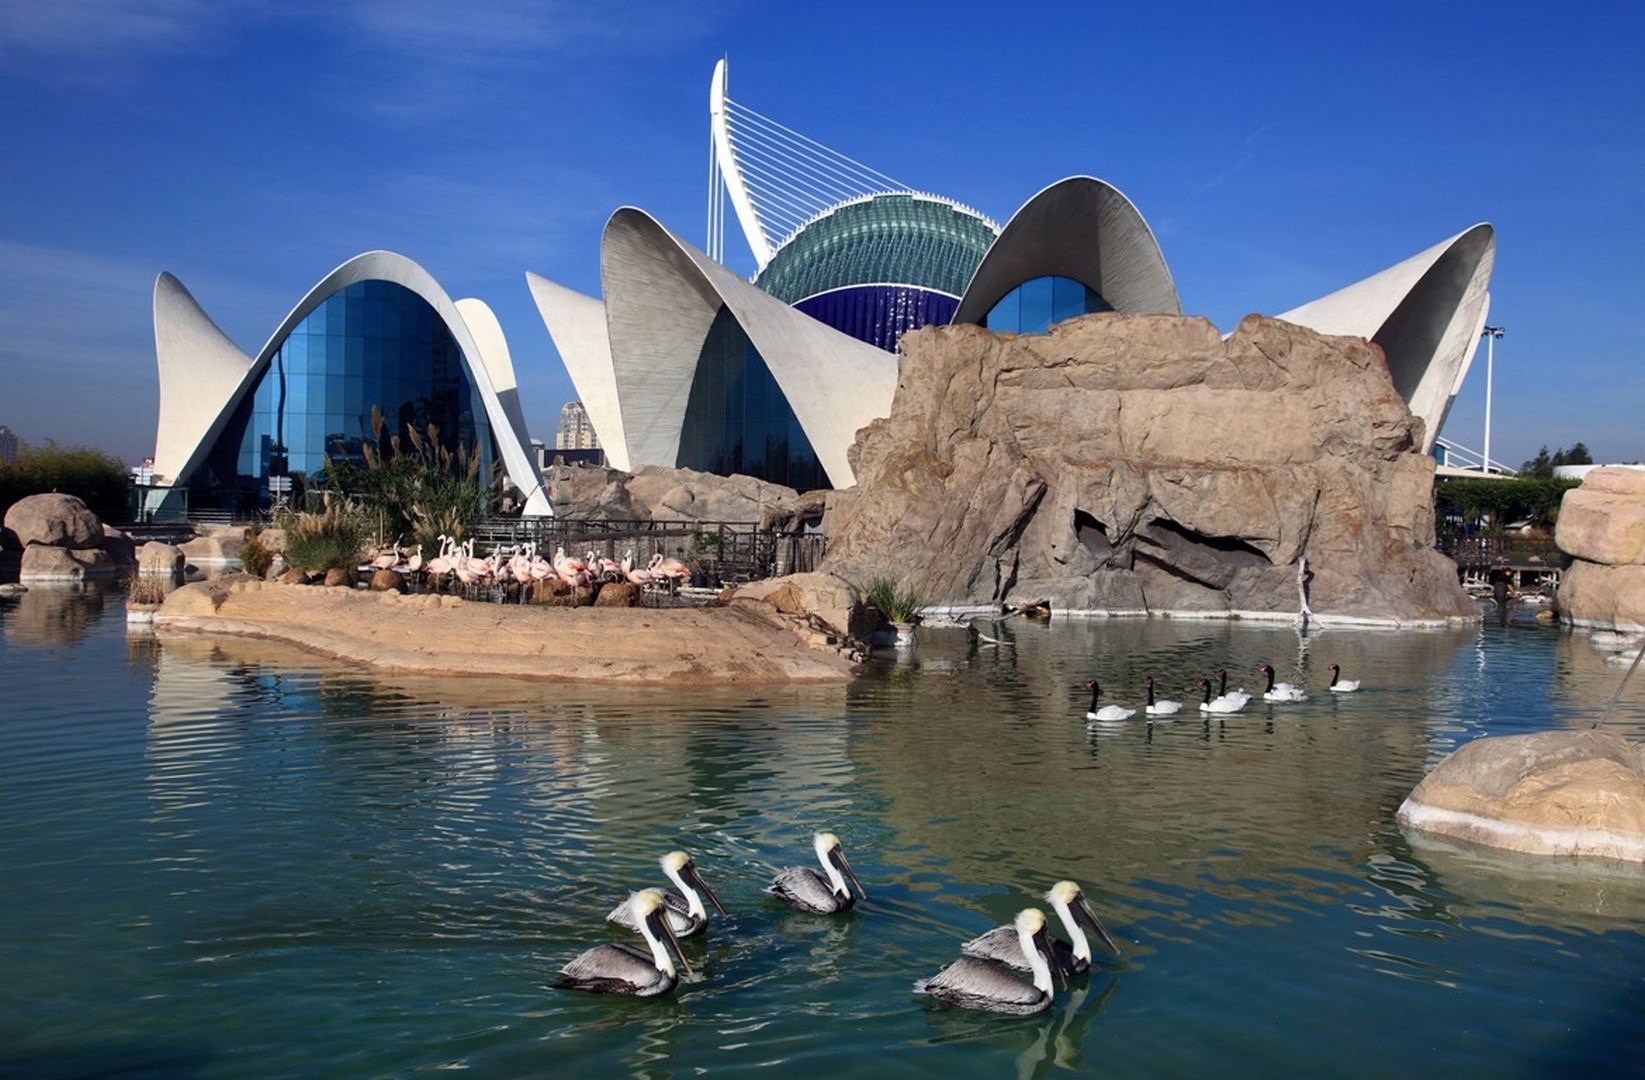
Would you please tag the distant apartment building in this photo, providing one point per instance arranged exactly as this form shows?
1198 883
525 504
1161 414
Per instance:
575 431
8 446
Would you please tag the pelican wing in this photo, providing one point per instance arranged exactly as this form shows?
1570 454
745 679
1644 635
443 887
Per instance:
615 969
1002 945
808 890
973 982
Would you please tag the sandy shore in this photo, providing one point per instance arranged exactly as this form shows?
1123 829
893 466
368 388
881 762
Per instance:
743 642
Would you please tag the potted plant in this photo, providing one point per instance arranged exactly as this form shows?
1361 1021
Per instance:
900 607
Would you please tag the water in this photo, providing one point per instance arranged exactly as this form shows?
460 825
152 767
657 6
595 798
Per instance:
224 858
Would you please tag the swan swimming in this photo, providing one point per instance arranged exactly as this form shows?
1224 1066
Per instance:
1107 712
1280 691
1340 685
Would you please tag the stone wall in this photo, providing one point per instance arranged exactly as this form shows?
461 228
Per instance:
1143 464
1602 527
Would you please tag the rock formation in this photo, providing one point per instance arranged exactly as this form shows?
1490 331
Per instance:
1550 793
62 540
1602 527
1143 464
657 494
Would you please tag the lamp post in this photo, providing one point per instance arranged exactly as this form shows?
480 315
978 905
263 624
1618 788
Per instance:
1490 333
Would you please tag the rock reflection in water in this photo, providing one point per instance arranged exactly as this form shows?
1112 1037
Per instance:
51 616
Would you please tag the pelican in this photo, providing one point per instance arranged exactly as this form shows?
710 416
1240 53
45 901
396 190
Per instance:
1342 686
1223 704
623 969
804 888
1237 698
1280 691
1068 901
686 917
1162 707
1107 712
974 982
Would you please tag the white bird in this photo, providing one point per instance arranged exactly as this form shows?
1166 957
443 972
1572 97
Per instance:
1341 685
973 982
1237 698
1218 705
804 888
1280 691
1107 712
1162 707
623 969
686 917
1070 957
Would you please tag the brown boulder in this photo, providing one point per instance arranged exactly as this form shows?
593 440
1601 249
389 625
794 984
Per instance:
827 597
1141 462
1550 793
618 594
338 577
43 562
157 558
121 548
384 581
213 550
56 520
1605 597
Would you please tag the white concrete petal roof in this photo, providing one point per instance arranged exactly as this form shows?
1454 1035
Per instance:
200 369
178 329
1081 228
576 324
662 295
1425 312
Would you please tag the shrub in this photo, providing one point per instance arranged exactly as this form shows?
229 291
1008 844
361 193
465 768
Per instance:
142 590
256 558
899 607
328 540
98 479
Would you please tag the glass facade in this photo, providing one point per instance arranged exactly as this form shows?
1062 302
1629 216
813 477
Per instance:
1039 304
880 314
372 343
737 419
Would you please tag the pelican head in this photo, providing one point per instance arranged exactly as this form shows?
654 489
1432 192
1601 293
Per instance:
1069 901
1036 948
679 868
833 861
650 910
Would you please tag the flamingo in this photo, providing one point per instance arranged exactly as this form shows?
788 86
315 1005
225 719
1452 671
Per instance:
1280 691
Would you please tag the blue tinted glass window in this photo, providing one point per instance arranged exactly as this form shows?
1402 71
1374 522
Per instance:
1035 306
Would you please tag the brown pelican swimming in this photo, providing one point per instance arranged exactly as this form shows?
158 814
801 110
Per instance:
686 917
1068 901
623 969
1280 691
804 888
974 982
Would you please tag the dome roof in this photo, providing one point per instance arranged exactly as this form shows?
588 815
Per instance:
899 238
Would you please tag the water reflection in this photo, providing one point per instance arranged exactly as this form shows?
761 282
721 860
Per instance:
52 616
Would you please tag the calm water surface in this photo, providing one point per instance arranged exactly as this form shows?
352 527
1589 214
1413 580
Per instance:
223 859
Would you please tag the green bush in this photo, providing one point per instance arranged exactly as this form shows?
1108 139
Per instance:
255 558
899 607
328 540
98 479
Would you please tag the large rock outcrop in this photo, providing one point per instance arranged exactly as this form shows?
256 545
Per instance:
1142 463
1550 793
62 540
653 493
1602 527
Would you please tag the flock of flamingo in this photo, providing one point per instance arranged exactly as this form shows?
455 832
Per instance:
457 565
987 975
1224 701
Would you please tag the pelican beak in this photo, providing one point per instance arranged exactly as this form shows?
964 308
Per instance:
1044 947
845 868
698 882
1084 914
659 922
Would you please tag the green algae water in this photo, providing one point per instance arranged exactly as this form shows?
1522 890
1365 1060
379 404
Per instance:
226 859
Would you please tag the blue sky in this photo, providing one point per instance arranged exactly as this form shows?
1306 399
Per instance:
1279 151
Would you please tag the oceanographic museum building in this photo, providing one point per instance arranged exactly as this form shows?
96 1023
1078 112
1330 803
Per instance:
684 363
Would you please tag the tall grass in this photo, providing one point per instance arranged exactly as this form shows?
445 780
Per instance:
328 540
896 605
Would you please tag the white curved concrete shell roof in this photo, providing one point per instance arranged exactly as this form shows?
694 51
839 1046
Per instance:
194 365
1425 312
1081 228
661 297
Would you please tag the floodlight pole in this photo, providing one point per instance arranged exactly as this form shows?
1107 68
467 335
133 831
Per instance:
1490 333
